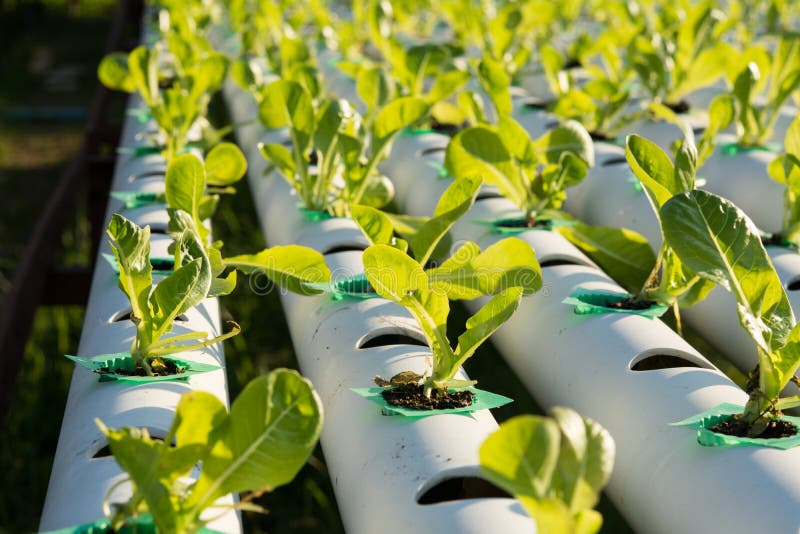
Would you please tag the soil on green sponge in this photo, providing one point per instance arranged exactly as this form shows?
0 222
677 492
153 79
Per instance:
523 223
734 426
682 106
159 366
413 396
630 303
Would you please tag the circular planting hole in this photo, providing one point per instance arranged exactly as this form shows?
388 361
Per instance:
154 173
125 315
656 359
431 150
557 261
793 284
387 337
346 247
461 488
616 160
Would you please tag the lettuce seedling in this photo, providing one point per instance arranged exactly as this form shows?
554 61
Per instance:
773 79
507 270
533 174
680 56
346 159
260 445
555 466
154 309
785 169
179 106
716 240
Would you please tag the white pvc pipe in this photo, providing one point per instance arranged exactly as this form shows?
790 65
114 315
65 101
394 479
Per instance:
586 362
79 482
379 465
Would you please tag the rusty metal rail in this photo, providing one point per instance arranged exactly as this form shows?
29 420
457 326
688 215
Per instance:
36 280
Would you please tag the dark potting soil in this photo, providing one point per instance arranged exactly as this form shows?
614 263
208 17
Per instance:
572 63
162 264
159 366
773 239
447 129
733 426
682 106
413 396
523 223
630 303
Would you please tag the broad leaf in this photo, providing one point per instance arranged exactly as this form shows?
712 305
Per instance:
470 273
225 164
568 137
392 273
182 290
455 202
184 185
272 428
131 246
398 114
521 456
652 167
586 460
290 266
375 225
718 242
114 73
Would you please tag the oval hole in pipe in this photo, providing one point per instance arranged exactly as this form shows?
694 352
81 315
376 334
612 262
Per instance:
153 173
655 359
698 130
616 160
389 336
555 260
793 284
431 150
485 194
125 315
345 247
459 488
104 449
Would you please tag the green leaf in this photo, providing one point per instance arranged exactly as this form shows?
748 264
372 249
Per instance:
182 290
455 202
718 242
783 365
373 87
397 115
521 456
184 185
143 67
568 137
585 462
113 72
480 152
685 164
139 456
375 225
624 254
392 273
496 83
280 157
131 246
791 143
289 266
447 83
652 167
287 103
470 273
197 415
225 164
273 426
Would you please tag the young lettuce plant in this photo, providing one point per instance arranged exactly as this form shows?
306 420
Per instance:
345 167
260 445
627 257
785 169
179 106
555 466
680 56
154 309
773 79
533 174
507 270
716 240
